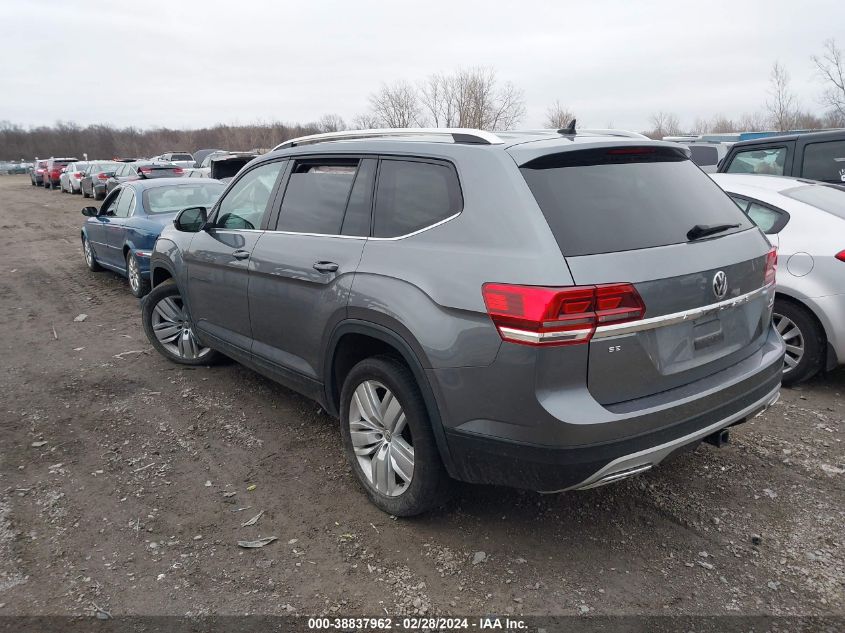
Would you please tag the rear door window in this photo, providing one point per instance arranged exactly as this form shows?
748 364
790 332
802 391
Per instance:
413 195
824 161
316 196
768 160
620 199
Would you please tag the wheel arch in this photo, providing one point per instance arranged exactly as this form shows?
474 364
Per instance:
384 340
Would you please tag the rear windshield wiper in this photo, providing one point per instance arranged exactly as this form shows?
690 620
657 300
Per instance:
704 230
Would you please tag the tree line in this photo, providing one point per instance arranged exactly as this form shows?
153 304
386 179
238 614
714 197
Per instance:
467 97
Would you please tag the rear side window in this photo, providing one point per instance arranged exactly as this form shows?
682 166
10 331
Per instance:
413 195
620 199
825 197
316 195
824 161
769 219
704 155
769 161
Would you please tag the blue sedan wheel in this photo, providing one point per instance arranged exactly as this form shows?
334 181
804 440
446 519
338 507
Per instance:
137 284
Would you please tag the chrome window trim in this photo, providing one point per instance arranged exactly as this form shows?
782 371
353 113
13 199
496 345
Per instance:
607 331
358 237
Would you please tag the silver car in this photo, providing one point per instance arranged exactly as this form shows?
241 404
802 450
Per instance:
72 175
806 221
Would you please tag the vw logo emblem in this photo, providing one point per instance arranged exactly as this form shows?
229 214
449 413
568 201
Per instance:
720 284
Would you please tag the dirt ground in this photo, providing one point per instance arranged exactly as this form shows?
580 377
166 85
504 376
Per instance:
125 481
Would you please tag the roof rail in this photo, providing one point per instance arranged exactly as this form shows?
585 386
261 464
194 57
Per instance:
458 135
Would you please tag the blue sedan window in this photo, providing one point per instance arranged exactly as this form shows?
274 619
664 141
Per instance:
177 197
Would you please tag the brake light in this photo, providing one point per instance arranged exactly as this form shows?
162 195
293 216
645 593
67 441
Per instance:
79 175
537 315
178 170
145 170
771 267
102 176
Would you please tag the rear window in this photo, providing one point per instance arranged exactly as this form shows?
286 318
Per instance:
620 199
826 198
413 195
181 157
178 197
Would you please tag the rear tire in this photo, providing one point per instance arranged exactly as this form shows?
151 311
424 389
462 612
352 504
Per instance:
138 286
169 330
82 191
381 404
805 341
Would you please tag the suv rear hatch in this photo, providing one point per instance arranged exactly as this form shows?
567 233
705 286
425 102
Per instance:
624 215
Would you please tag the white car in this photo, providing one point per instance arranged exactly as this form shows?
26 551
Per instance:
71 176
182 159
805 219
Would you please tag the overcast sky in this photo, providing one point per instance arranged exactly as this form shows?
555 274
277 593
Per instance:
194 63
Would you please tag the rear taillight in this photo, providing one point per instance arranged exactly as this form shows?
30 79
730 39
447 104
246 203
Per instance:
178 170
102 176
537 315
145 170
771 267
79 175
840 256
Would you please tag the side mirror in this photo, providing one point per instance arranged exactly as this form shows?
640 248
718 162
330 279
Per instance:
89 212
191 220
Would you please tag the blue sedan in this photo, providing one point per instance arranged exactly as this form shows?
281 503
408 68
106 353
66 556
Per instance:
121 234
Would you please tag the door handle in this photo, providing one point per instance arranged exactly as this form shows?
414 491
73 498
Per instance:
240 254
326 267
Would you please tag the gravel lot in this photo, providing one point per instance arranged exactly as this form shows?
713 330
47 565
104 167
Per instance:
125 481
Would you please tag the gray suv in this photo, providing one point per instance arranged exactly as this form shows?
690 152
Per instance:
545 310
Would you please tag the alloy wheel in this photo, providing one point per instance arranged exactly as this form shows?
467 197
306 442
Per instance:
134 273
792 338
173 329
89 255
381 438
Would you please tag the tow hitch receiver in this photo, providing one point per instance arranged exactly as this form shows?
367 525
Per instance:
719 438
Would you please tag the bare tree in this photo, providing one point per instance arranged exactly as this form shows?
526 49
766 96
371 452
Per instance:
331 123
664 124
396 105
472 98
364 122
559 116
831 68
781 104
752 122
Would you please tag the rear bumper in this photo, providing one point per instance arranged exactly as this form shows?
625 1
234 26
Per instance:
630 439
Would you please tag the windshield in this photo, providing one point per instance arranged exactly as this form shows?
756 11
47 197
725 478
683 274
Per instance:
626 198
178 197
826 198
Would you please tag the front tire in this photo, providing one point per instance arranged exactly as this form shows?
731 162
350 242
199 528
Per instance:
169 329
388 439
804 340
138 286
